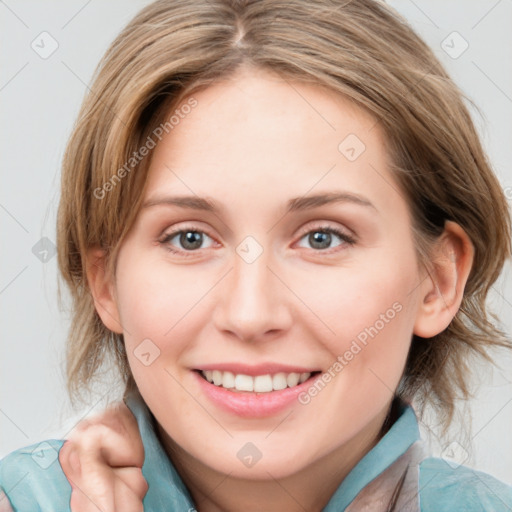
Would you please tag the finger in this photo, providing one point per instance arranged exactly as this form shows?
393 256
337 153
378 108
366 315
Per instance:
111 439
113 436
133 479
109 490
122 496
94 492
92 481
69 461
94 486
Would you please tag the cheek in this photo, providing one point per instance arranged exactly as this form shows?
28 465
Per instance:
357 299
155 299
163 309
157 303
373 327
370 316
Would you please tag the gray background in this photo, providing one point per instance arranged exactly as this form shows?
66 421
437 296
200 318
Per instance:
39 100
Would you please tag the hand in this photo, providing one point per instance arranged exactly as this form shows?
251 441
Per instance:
103 463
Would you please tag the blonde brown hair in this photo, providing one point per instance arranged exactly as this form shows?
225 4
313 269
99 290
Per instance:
361 49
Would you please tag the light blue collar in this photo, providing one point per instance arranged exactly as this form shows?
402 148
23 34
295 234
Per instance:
166 488
402 434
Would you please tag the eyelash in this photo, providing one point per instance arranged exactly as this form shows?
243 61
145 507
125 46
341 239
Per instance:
322 229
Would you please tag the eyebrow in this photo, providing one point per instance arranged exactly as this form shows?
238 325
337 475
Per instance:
314 201
295 204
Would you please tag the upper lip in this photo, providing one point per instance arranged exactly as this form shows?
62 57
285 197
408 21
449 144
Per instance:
260 369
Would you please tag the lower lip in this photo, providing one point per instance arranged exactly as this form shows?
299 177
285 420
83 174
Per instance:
249 404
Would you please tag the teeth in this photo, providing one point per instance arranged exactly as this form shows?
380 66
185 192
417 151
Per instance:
263 383
244 383
258 384
292 379
228 380
279 381
217 377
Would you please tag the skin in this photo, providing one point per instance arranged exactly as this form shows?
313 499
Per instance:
103 460
253 143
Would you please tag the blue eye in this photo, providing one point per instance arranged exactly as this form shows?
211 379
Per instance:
189 240
321 238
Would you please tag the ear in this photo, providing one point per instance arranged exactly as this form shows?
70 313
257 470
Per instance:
442 289
102 290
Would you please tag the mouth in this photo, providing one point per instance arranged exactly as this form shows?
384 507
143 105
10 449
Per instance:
264 383
252 392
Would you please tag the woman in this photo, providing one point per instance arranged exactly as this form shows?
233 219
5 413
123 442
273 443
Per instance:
278 218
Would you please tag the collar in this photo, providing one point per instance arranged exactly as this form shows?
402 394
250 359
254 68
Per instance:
166 488
168 492
399 438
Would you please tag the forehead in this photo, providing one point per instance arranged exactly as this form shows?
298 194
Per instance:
257 131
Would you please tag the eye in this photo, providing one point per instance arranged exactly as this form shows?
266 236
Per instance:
321 238
189 240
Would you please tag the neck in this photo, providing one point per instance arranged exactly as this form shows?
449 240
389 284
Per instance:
310 488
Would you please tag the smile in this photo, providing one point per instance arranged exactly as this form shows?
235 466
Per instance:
257 384
253 391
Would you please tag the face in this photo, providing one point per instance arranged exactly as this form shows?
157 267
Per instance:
274 257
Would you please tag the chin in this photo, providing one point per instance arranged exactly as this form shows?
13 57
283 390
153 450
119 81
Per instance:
245 459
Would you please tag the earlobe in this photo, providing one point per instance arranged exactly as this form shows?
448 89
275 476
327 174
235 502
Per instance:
102 290
442 289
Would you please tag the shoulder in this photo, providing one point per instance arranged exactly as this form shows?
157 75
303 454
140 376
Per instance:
32 478
446 486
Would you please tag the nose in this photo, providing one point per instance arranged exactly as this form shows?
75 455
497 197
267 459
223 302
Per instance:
254 304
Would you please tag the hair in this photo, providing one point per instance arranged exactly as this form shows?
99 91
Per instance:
360 49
